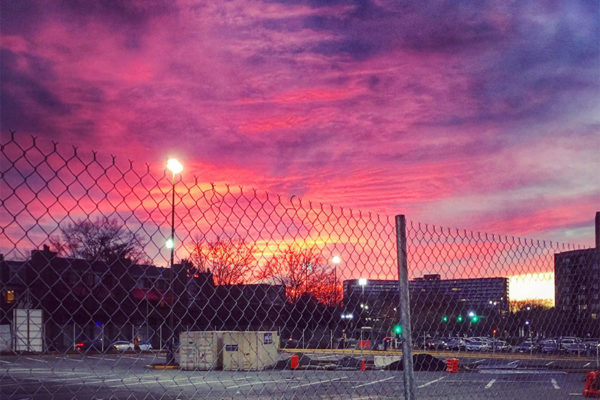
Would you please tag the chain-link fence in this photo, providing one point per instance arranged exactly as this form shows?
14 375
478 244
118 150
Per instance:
128 282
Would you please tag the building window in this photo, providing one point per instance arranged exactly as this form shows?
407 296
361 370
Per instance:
9 295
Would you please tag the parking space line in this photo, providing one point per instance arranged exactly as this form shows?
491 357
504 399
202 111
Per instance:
6 362
554 383
551 362
197 383
35 359
430 382
490 383
71 359
318 383
372 383
479 361
586 365
30 370
254 383
86 378
125 383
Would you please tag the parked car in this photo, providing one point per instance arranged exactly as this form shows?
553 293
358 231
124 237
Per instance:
122 345
456 344
500 345
476 345
435 344
572 345
549 346
145 346
591 345
86 346
528 346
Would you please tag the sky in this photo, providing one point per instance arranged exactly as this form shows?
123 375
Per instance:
478 115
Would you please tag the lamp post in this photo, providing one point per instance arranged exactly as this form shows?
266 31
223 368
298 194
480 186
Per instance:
175 167
362 282
335 260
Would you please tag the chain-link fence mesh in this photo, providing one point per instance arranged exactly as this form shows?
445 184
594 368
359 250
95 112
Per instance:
128 282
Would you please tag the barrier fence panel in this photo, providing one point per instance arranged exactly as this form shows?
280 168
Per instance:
155 284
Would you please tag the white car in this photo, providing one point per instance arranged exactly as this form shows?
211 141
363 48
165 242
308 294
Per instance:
122 345
477 345
145 346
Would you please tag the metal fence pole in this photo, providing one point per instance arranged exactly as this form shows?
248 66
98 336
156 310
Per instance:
409 379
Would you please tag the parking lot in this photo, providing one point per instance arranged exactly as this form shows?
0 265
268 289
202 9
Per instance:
120 376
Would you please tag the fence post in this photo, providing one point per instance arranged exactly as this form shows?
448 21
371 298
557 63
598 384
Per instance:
409 379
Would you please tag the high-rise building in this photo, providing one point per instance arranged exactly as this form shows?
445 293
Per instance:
479 294
577 281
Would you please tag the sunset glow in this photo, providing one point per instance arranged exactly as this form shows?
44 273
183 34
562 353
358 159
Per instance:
533 286
470 123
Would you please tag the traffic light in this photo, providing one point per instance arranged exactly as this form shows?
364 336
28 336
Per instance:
398 329
459 318
474 318
445 318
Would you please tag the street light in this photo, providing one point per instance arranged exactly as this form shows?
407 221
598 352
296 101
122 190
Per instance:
175 167
362 282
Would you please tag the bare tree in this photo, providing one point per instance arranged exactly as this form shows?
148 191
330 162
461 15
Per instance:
301 271
103 239
230 262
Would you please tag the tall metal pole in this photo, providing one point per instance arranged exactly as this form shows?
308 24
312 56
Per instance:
170 355
404 307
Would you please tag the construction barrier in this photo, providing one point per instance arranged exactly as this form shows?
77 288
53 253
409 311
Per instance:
452 365
294 361
592 385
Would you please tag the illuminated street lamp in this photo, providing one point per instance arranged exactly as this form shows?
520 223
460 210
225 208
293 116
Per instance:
175 167
362 282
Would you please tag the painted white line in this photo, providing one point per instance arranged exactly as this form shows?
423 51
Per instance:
6 362
431 382
479 361
490 383
575 394
81 378
29 370
551 362
257 383
520 372
586 364
101 358
318 383
372 383
35 359
554 383
71 359
198 383
513 362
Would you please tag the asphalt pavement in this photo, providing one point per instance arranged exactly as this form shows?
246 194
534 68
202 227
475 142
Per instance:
126 376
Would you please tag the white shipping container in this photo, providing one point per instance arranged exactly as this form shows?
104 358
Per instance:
28 330
249 350
200 350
